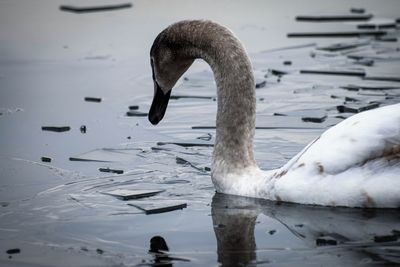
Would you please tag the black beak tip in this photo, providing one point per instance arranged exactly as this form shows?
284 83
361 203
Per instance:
153 118
159 104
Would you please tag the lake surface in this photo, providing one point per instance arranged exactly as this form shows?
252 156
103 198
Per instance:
58 213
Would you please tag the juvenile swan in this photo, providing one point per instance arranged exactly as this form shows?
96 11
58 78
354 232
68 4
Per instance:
355 163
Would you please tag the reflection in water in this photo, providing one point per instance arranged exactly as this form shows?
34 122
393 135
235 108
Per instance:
159 249
357 235
234 230
158 243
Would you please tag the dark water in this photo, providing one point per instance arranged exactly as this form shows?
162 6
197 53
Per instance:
56 213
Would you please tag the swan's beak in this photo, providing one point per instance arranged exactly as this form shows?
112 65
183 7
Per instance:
159 105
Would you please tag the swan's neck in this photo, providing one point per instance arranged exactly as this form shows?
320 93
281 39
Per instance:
235 122
235 125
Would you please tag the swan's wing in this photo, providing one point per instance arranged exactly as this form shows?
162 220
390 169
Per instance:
358 156
363 137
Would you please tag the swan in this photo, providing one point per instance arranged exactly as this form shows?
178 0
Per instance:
355 163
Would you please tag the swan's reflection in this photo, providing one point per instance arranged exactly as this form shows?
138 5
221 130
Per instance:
357 235
159 248
160 251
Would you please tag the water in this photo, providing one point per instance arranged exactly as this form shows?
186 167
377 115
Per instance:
56 213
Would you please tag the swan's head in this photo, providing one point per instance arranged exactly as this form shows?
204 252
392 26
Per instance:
169 60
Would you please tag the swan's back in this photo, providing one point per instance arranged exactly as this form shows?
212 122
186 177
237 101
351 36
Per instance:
355 163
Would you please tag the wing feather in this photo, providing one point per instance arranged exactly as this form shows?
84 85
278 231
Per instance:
363 137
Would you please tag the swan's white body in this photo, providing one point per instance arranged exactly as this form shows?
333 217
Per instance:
355 163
